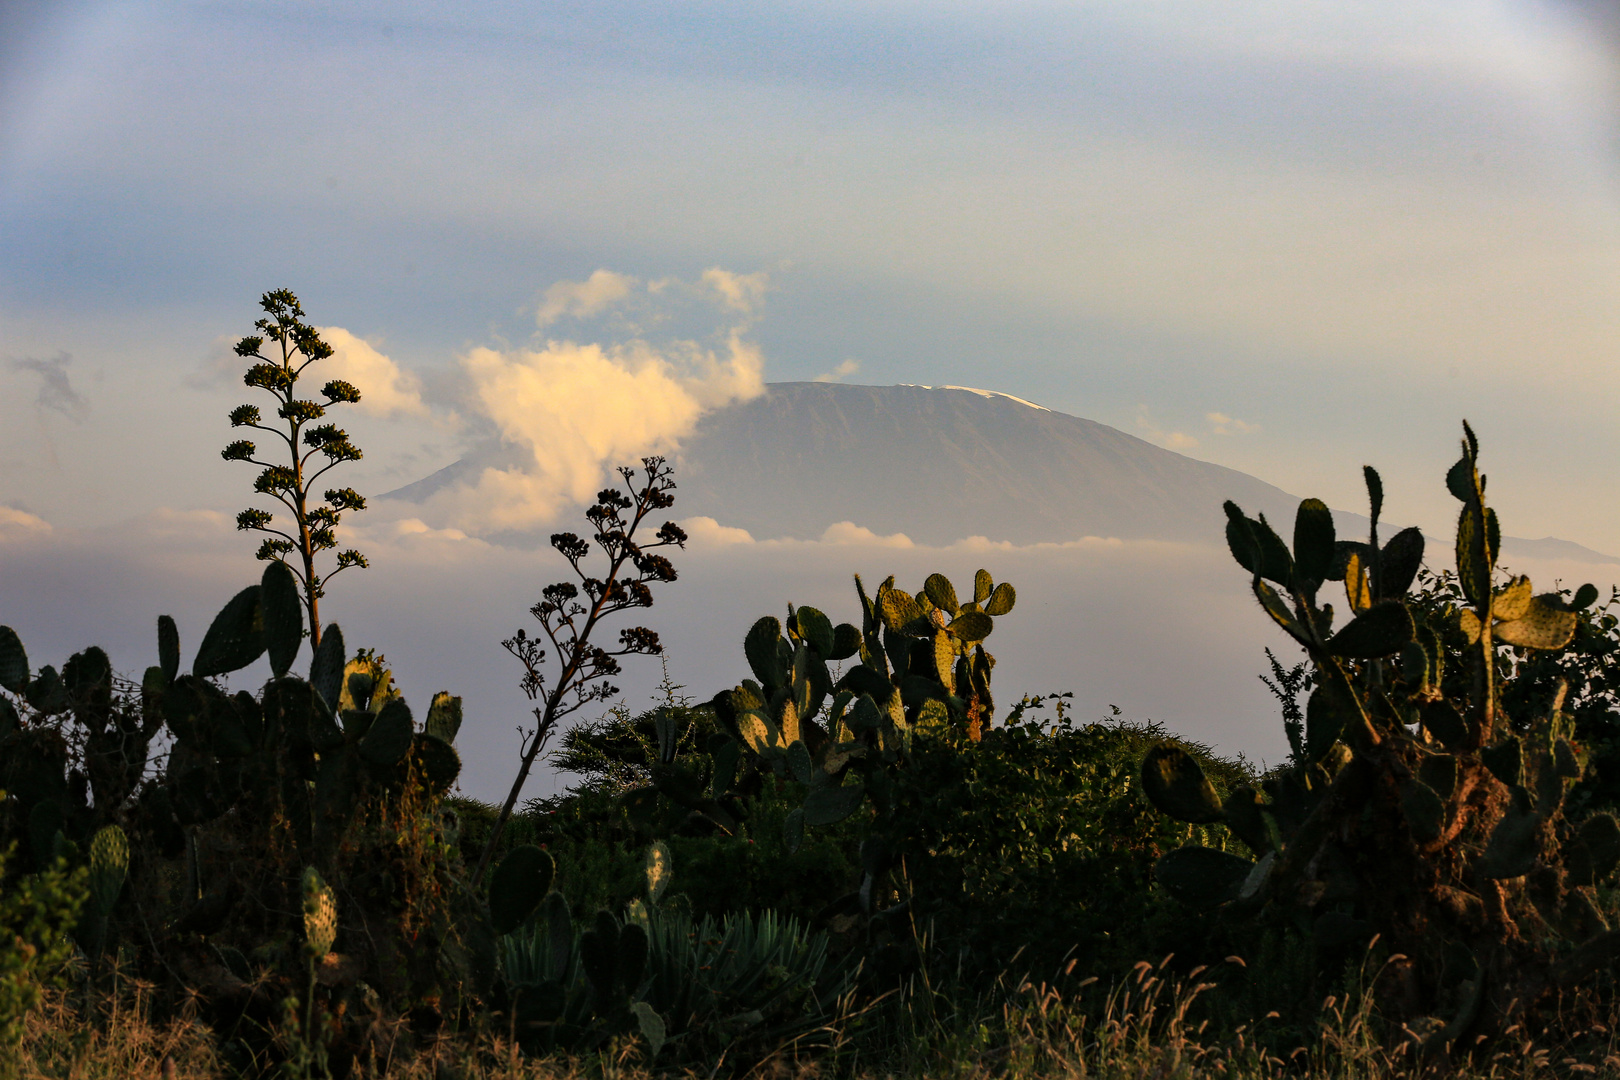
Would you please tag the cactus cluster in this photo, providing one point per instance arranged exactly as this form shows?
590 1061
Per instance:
921 665
564 989
308 752
252 787
1435 822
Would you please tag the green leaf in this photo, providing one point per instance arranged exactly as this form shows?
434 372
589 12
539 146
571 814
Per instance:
846 642
971 626
1176 784
1313 540
1584 597
437 763
726 752
1002 600
283 616
1246 815
829 805
816 630
1328 716
517 886
13 661
1256 547
763 658
1375 491
1505 760
1399 564
235 639
760 733
982 584
651 1026
942 593
799 763
1460 480
444 717
1379 631
1514 846
945 659
1473 565
1278 609
793 830
1444 722
900 611
326 669
168 649
1541 627
1512 600
389 737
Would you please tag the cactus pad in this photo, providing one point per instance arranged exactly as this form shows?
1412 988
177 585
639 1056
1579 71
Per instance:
109 865
389 737
320 914
518 885
437 763
283 616
829 805
660 868
234 639
1176 784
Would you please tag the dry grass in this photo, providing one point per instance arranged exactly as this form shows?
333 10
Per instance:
1140 1030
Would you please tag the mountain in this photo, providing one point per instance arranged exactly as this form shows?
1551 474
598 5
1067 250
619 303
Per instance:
940 464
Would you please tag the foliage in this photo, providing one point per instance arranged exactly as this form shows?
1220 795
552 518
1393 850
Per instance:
37 912
1035 842
332 774
698 987
292 482
617 752
581 667
1423 811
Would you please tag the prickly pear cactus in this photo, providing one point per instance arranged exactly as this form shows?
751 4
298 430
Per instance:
1435 822
320 914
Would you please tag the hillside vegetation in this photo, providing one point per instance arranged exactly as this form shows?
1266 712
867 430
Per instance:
864 858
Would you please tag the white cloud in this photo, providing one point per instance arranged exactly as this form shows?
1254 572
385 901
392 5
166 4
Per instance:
583 298
385 389
1170 440
841 372
740 292
705 532
1221 424
578 409
847 532
21 525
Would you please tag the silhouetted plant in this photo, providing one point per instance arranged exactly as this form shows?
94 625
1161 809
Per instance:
291 483
583 669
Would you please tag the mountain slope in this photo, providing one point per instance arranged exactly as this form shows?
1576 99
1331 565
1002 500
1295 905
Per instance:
943 464
940 464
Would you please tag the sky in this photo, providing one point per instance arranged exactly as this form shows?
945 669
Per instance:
1290 238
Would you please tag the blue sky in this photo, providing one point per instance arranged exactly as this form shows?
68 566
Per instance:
1287 237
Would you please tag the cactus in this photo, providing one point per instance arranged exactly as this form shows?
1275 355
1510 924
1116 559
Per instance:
318 765
320 914
1436 822
518 885
922 667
